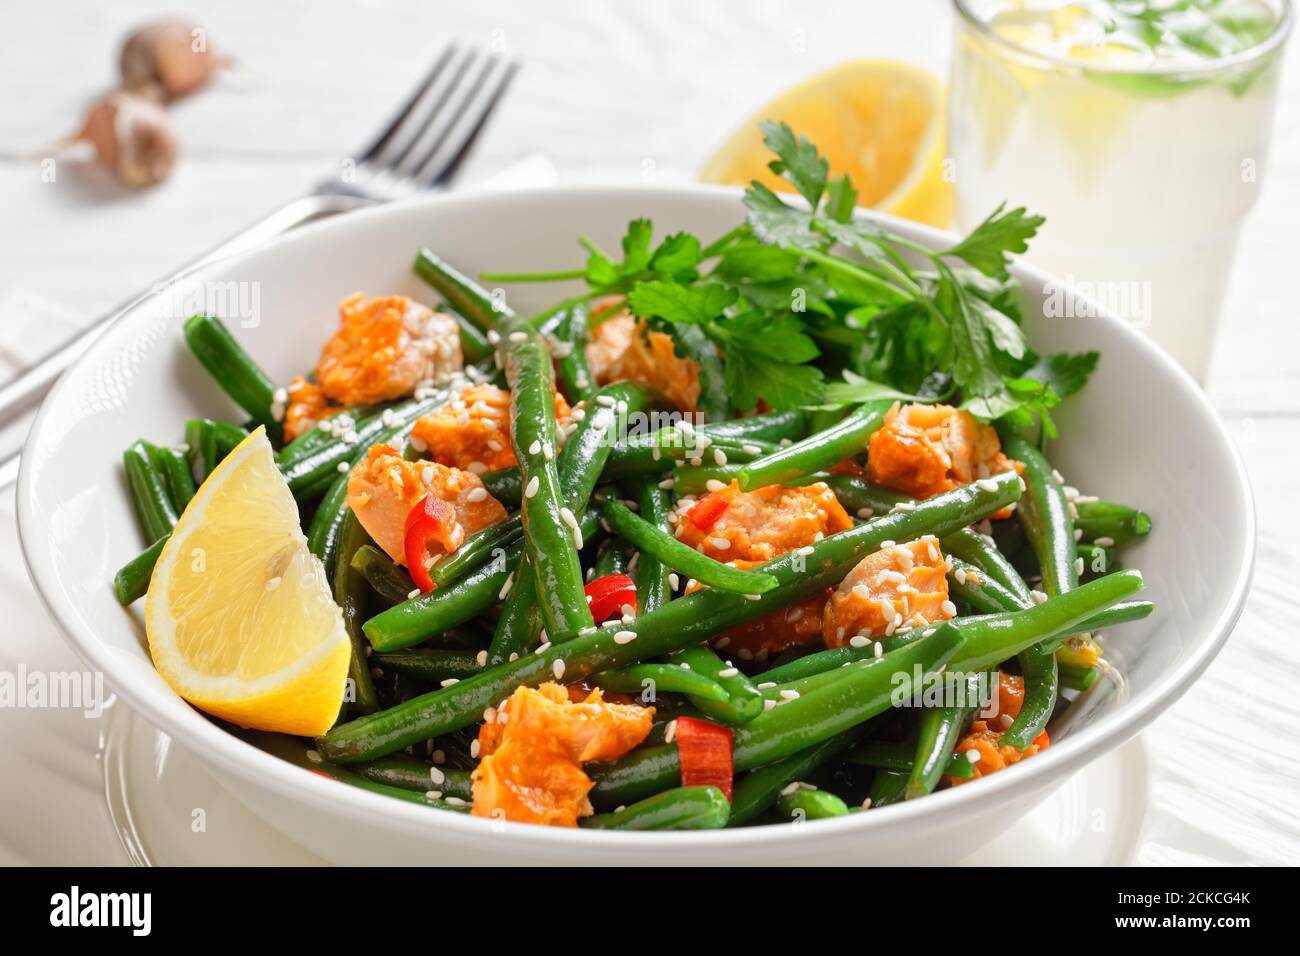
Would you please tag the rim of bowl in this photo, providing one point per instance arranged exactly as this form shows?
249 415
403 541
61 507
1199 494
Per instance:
1208 69
264 769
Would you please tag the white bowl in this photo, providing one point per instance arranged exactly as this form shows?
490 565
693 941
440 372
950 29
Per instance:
1142 432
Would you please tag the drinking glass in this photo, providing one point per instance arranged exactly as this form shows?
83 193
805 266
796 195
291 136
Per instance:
1144 156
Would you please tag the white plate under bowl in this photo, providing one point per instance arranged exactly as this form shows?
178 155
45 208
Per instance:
1141 432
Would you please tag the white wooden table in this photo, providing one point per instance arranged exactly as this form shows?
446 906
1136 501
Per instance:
619 92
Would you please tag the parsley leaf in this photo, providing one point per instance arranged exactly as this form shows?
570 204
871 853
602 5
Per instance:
987 246
798 161
775 222
752 375
673 302
1064 373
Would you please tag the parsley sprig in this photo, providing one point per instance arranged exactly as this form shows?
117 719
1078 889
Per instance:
803 292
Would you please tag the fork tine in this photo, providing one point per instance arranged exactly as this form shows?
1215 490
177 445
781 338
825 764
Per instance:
372 151
455 95
465 130
436 101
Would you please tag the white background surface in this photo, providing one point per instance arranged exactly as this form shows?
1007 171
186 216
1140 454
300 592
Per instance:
610 92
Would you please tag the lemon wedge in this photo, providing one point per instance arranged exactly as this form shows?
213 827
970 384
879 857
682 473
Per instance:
881 122
239 614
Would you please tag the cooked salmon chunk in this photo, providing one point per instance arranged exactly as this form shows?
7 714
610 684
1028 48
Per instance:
924 450
533 746
384 487
472 430
384 348
624 349
750 528
986 730
904 585
307 406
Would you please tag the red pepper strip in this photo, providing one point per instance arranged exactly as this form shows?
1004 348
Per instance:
609 594
430 518
705 750
709 509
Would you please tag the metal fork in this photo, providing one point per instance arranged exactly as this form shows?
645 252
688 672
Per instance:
420 149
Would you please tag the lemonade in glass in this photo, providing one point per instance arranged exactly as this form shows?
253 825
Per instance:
1139 128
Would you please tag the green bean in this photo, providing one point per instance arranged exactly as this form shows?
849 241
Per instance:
644 460
1045 515
350 595
326 528
209 443
978 589
476 550
653 587
153 505
679 624
1109 524
791 674
645 454
132 580
682 557
887 786
175 469
385 578
474 345
757 790
804 804
1096 559
901 755
653 678
974 548
414 620
312 473
575 375
464 294
693 343
433 666
407 773
742 701
520 626
812 454
868 687
503 485
938 730
682 808
612 557
440 610
387 790
859 496
234 370
1077 677
864 690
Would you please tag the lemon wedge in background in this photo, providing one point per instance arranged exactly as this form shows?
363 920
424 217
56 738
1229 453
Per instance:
879 121
240 617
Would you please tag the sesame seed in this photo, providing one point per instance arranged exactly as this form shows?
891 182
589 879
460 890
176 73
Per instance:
476 495
543 648
948 608
433 794
567 516
313 756
535 447
577 537
789 694
878 650
887 544
624 637
714 485
667 483
558 669
436 775
973 755
342 468
769 704
412 594
1078 565
494 336
806 550
533 485
729 672
674 581
474 749
505 588
1104 542
670 732
518 336
481 658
